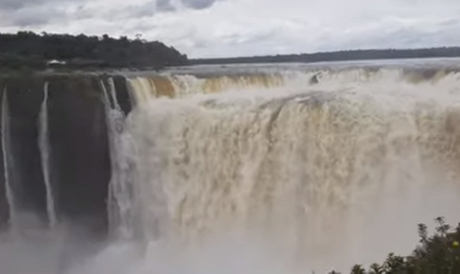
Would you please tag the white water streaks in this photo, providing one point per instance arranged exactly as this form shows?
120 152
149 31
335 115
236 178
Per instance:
7 163
45 152
120 187
319 167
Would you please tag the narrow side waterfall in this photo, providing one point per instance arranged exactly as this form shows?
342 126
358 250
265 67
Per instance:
120 187
8 162
45 151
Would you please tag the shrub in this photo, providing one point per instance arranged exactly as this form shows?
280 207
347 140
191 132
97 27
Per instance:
436 254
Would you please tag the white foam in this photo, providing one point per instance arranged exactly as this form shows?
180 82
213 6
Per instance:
325 174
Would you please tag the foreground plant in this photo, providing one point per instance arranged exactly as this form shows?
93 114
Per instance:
435 254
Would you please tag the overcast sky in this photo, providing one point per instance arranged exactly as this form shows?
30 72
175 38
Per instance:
212 28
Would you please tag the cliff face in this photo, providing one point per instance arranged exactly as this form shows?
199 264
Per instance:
79 162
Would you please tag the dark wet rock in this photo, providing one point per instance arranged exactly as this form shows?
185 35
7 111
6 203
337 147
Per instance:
80 162
123 97
79 145
314 79
25 170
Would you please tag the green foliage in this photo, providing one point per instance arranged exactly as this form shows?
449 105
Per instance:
358 269
376 269
31 50
19 62
436 254
394 264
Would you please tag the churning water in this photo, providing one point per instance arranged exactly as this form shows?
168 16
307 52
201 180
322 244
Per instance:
270 170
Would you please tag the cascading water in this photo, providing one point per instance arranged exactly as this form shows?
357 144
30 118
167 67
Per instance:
317 171
120 189
260 171
7 162
44 145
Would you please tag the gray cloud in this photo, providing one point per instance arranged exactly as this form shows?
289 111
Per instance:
32 13
27 18
36 13
133 11
10 4
198 4
167 5
164 5
288 26
15 4
19 4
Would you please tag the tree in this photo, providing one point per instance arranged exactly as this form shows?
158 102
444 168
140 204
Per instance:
438 253
24 48
358 269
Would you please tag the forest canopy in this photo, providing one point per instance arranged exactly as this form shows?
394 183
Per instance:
27 49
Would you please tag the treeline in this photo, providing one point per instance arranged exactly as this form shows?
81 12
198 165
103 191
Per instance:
436 254
339 56
34 51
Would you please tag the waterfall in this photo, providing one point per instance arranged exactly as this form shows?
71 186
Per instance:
259 171
45 152
8 162
120 189
113 95
319 170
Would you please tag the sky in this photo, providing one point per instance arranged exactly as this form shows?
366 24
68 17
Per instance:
229 28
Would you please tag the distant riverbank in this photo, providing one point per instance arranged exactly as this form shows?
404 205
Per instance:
350 55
